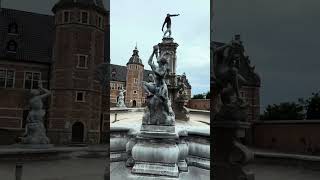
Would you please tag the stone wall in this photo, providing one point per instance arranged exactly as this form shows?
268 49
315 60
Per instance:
298 136
201 104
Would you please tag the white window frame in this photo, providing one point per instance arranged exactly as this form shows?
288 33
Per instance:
69 16
6 77
24 78
101 25
78 61
15 47
84 96
88 17
113 85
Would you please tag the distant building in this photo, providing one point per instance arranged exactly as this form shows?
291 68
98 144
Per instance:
130 78
63 52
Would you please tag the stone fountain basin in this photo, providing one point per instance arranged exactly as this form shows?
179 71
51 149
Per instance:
197 138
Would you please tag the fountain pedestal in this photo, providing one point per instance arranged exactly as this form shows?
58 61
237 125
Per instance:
156 151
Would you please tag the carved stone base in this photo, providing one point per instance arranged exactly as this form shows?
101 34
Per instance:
199 162
183 166
230 155
156 156
117 156
155 131
157 128
156 169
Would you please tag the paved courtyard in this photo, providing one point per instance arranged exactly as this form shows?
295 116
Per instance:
281 172
68 169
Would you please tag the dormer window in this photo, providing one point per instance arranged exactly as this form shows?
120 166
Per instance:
114 73
100 22
12 46
66 16
13 28
84 17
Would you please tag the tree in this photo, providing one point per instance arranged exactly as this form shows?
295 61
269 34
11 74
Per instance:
208 95
312 106
198 96
283 111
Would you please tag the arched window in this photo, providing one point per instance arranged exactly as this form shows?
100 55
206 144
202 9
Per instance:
12 46
13 28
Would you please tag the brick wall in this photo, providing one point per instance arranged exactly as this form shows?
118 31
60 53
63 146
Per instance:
301 136
201 104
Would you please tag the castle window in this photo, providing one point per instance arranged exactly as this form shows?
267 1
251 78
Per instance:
82 61
135 80
31 80
7 78
66 16
113 86
120 86
80 96
84 17
114 72
13 28
12 46
134 92
100 21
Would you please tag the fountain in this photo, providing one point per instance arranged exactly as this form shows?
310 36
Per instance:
166 143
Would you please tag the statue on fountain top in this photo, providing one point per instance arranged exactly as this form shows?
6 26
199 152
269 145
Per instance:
228 80
159 110
168 22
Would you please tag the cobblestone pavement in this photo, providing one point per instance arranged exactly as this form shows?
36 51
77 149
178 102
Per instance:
281 172
68 169
93 169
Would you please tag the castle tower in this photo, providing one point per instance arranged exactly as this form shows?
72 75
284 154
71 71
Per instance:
75 110
134 95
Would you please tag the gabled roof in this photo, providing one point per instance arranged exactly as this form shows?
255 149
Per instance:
34 38
119 73
96 4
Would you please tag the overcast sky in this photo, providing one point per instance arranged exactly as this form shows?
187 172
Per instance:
140 21
282 39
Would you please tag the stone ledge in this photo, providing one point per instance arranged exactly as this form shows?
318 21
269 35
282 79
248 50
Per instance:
230 124
198 162
118 156
156 169
287 156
